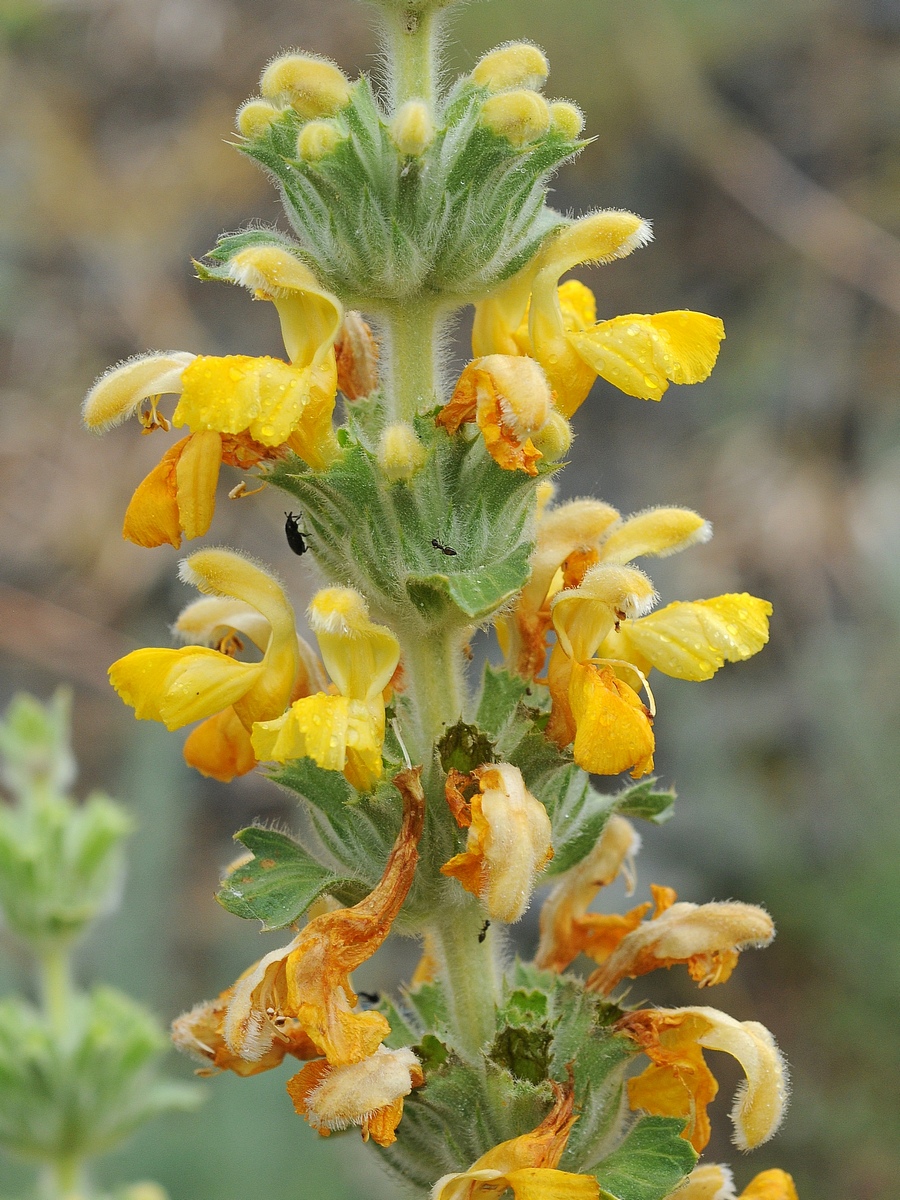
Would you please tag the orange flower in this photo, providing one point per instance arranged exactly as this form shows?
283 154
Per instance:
706 937
309 979
567 928
509 839
201 1034
510 400
678 1083
368 1093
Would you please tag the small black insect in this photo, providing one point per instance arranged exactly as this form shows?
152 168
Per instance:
370 997
443 549
483 934
296 538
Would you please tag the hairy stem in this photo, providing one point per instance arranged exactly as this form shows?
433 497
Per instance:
412 377
56 985
411 45
434 672
467 954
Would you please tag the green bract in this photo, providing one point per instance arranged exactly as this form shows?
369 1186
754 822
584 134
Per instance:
380 227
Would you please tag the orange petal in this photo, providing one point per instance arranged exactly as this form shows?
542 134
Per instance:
151 518
220 748
770 1185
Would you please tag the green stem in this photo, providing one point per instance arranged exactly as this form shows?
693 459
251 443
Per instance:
411 44
469 965
411 335
63 1179
56 984
433 664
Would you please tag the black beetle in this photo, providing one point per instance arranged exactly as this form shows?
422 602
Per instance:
296 538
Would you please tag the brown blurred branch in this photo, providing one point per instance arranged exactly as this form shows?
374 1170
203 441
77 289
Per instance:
71 646
687 112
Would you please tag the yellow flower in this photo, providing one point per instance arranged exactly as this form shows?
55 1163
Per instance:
567 928
526 1164
600 714
220 747
510 400
368 1093
570 531
193 683
706 937
308 981
241 411
713 1181
638 354
595 705
678 1082
508 842
343 732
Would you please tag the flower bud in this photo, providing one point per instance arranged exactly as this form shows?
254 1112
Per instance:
313 86
356 352
554 438
400 453
317 140
517 65
567 119
412 130
520 116
255 116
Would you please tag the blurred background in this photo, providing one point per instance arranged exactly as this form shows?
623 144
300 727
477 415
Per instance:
763 140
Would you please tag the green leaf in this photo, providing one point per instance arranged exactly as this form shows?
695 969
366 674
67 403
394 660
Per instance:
280 882
358 831
501 693
650 1163
642 801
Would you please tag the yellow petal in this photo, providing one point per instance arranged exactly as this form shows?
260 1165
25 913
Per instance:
264 397
658 531
359 655
520 116
196 475
563 932
152 517
314 86
206 621
770 1185
577 305
614 732
310 315
538 1183
121 391
641 354
509 397
678 1082
583 616
181 686
337 733
224 573
519 64
693 639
